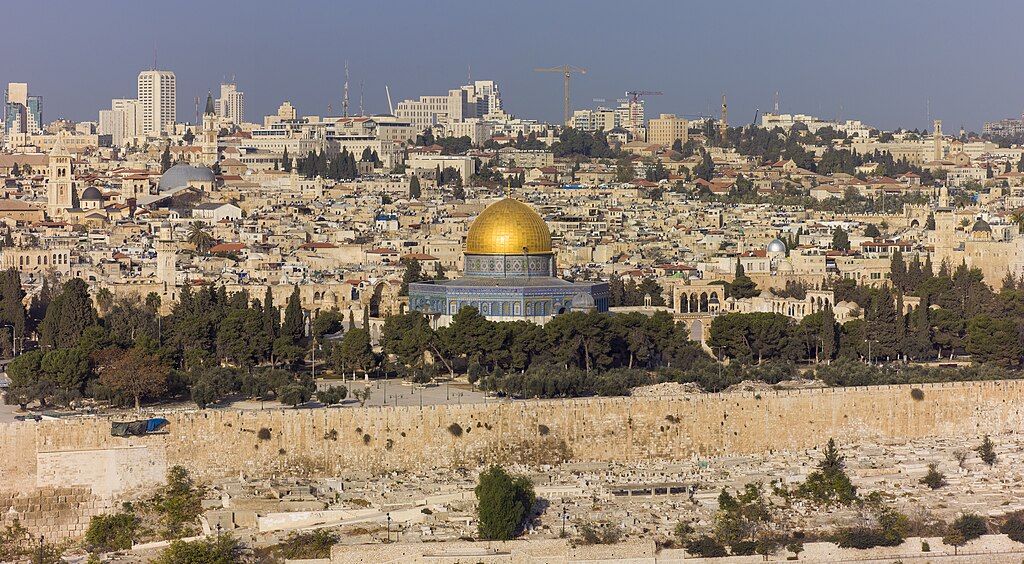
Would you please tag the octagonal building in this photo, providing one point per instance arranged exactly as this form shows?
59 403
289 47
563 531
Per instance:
509 273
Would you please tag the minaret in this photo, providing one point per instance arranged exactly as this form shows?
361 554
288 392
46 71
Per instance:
209 136
937 140
725 125
166 264
60 188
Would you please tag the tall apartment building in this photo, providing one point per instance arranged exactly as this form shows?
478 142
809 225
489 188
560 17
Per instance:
231 104
158 98
593 120
121 121
23 114
468 102
1004 127
667 129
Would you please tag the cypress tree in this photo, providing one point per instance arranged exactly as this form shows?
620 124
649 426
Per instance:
366 317
351 320
286 161
414 187
828 335
901 326
292 326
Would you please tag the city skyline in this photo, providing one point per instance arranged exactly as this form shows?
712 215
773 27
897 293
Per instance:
834 61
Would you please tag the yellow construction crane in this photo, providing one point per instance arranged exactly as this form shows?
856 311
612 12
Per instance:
567 70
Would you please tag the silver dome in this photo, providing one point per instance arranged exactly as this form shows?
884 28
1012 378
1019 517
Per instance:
776 246
181 174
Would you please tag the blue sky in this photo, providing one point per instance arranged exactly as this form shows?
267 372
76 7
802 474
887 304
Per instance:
879 61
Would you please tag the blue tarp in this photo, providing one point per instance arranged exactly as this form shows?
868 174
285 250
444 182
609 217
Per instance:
154 425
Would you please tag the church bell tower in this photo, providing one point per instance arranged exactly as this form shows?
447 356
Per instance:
60 188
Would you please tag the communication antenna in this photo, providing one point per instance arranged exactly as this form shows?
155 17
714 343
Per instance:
197 110
344 102
776 102
361 98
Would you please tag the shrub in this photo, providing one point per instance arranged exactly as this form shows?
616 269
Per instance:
987 452
683 531
332 395
925 547
602 534
179 504
706 547
263 434
455 429
743 548
107 533
503 503
917 394
933 479
366 439
1013 527
543 430
305 546
222 549
860 537
970 525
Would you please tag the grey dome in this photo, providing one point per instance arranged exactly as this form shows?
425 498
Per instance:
181 174
981 225
776 246
91 193
583 302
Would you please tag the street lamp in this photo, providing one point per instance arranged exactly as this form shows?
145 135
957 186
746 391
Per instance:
389 527
565 514
718 357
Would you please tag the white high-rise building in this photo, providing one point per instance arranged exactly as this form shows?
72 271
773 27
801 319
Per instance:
231 104
158 98
121 121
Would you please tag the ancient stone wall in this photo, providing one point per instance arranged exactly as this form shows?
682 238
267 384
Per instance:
216 443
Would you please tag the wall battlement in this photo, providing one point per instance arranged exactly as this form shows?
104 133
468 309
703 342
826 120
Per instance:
217 443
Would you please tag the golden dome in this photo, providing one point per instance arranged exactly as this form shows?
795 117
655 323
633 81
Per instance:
508 227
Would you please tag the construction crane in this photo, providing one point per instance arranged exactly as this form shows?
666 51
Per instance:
567 70
634 108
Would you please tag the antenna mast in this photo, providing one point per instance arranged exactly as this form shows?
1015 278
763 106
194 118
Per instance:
361 98
344 102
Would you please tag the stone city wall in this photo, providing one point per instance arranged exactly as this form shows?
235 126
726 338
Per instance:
217 443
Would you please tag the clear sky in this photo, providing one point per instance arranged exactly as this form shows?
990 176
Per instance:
879 61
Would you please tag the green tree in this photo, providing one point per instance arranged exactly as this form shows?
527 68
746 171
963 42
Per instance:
293 317
986 451
356 352
840 240
829 483
165 159
199 238
286 161
107 533
414 187
743 287
68 316
503 503
295 394
994 340
828 335
413 273
28 380
933 479
222 549
871 231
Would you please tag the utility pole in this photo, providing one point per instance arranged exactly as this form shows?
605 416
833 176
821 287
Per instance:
567 70
724 125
